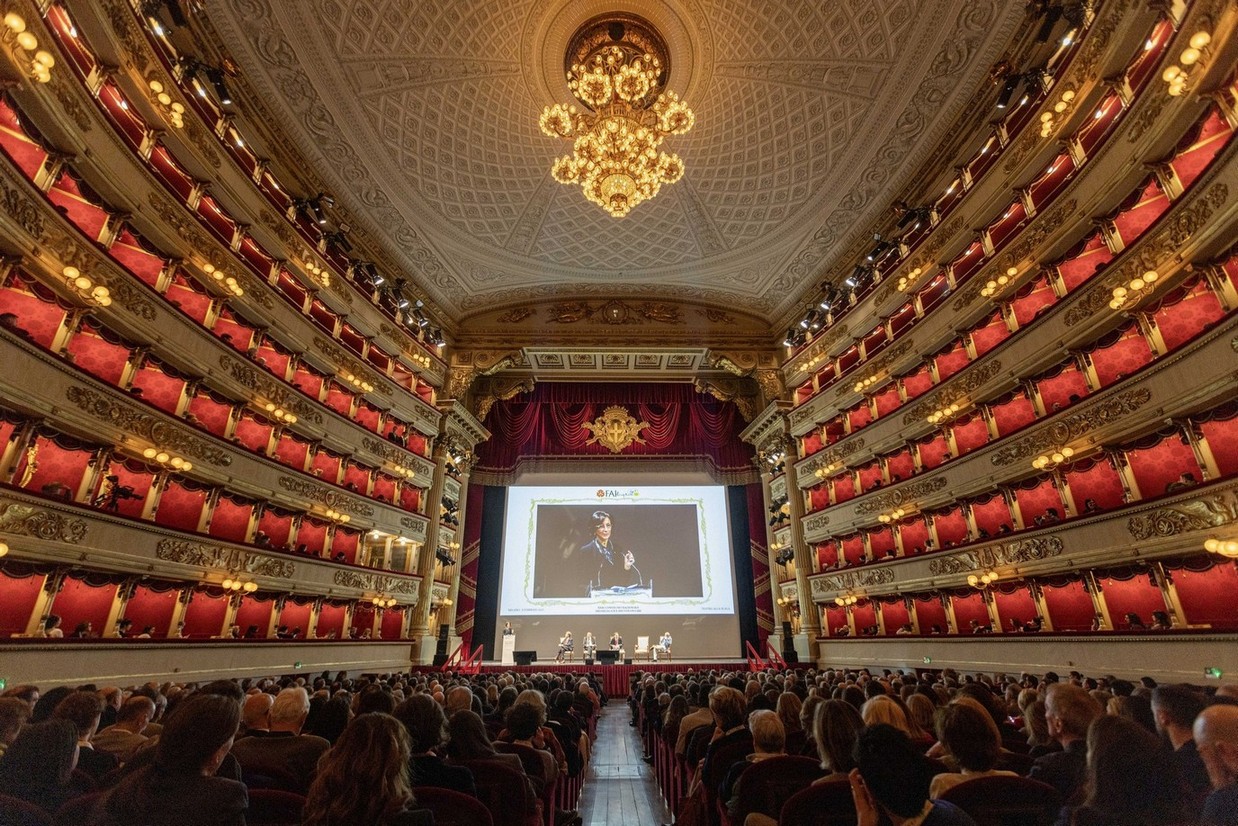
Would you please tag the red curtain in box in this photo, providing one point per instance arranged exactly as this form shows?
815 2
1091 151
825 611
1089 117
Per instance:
1134 219
233 331
1130 591
190 296
326 465
331 621
1070 607
254 611
1095 479
291 451
1220 429
410 497
900 465
1055 175
392 627
930 614
212 411
367 416
811 443
870 475
1207 596
18 595
296 616
967 262
951 361
1061 387
204 616
833 430
827 554
1014 602
1143 67
384 488
230 520
951 527
967 607
844 487
1011 218
307 381
290 287
313 535
181 504
846 360
1120 354
167 168
60 460
37 313
345 542
970 433
133 475
882 542
356 477
990 333
918 383
1032 300
253 432
1036 497
933 291
339 399
425 392
363 618
1189 310
914 534
1095 128
403 377
152 606
272 358
217 219
277 524
934 451
255 255
887 400
836 619
1088 258
991 513
1200 147
133 253
864 614
77 203
1159 460
853 548
903 318
895 615
1012 412
351 339
859 416
818 498
158 388
379 359
85 598
103 356
19 142
804 392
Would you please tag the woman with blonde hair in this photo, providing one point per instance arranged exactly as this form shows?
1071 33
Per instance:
883 709
364 778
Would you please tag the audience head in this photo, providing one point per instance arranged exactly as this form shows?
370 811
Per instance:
788 709
1137 708
769 736
28 694
43 752
364 778
893 770
425 721
374 699
1069 710
83 709
883 709
836 726
136 713
1175 707
467 737
458 698
922 710
198 734
728 707
523 721
1216 737
256 711
46 703
14 713
1130 776
969 734
289 710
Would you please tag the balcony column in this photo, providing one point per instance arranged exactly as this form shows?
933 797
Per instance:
453 592
810 627
424 651
767 499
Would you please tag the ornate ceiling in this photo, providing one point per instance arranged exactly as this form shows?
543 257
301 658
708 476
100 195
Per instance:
421 120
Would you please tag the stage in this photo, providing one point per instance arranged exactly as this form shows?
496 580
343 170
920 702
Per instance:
615 678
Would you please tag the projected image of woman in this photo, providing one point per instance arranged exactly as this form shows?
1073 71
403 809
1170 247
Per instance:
613 568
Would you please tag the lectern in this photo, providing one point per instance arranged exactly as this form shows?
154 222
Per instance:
508 656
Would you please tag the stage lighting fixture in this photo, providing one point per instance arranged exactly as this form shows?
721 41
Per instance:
1008 90
1052 15
789 339
216 77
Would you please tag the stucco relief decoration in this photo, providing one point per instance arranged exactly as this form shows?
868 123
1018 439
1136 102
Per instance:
1184 517
253 379
325 496
25 520
516 315
1074 426
616 429
1005 553
375 582
224 559
953 391
901 495
139 423
852 579
816 523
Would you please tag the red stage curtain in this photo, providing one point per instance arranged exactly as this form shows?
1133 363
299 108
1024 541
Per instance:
204 616
1070 607
84 600
17 599
151 606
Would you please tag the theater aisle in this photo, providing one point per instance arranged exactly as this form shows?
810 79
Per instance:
619 787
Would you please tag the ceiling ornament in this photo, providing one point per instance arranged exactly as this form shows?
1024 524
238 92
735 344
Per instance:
615 429
617 66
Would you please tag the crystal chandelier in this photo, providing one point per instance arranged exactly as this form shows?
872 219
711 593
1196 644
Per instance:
617 67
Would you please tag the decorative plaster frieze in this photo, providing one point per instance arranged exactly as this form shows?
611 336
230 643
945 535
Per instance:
223 558
1001 553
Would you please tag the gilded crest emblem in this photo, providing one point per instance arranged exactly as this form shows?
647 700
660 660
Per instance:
615 429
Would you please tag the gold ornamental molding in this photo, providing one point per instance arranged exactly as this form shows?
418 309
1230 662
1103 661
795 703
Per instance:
1075 426
852 579
375 582
816 523
223 558
953 391
325 496
901 496
1002 553
251 378
1184 517
25 520
615 429
130 419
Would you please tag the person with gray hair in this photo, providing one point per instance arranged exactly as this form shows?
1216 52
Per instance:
458 698
255 714
769 738
126 736
284 746
1216 738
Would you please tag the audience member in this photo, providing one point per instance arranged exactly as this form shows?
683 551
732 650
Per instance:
769 739
84 709
1216 738
38 766
1174 708
283 745
890 780
971 741
1069 710
126 736
256 714
427 730
14 712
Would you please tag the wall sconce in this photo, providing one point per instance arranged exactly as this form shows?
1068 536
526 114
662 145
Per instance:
403 472
237 585
337 517
226 281
905 282
279 413
39 62
863 384
1225 547
826 471
998 284
87 289
1052 459
892 516
383 601
166 459
943 413
1134 290
1178 75
1048 120
787 601
173 110
356 381
848 599
4 548
315 271
982 581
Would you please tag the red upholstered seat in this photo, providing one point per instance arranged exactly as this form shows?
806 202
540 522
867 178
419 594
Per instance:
452 808
77 811
1006 801
765 786
274 807
17 812
822 804
504 792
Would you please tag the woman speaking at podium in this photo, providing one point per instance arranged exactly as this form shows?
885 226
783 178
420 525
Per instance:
614 570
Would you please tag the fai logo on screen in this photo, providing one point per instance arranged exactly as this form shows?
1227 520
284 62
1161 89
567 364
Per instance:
604 493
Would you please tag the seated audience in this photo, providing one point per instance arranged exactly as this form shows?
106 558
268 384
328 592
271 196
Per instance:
1069 710
38 766
125 736
1174 708
256 714
14 712
889 780
427 730
769 739
1216 737
84 709
364 779
971 741
283 745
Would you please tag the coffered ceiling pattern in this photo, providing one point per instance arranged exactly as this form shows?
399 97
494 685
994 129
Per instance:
421 119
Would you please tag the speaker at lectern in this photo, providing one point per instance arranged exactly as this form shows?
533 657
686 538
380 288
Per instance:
509 650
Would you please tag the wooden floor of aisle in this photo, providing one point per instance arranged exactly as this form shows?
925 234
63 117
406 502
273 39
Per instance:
619 788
